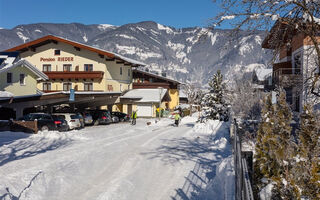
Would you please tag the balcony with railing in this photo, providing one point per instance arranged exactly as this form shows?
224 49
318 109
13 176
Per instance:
74 74
84 91
286 76
150 85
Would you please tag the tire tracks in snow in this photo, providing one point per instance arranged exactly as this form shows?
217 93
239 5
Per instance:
118 185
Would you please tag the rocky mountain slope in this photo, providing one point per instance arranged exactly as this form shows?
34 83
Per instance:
187 54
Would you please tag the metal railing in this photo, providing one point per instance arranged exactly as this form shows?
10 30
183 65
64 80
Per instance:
243 188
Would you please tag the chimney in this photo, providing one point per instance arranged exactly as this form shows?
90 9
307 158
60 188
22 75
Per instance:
164 74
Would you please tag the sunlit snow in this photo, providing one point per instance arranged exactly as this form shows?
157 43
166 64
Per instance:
120 161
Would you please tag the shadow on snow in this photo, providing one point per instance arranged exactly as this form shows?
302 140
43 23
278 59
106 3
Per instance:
18 146
203 151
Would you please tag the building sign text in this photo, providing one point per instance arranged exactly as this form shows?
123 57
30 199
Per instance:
59 59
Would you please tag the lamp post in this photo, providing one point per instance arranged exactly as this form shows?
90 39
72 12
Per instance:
160 92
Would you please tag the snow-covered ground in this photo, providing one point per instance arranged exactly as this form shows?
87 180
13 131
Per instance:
119 161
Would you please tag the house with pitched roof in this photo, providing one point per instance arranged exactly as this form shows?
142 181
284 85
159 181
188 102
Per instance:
146 80
72 65
18 76
296 62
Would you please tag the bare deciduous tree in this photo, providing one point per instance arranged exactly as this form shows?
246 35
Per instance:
246 100
293 17
192 93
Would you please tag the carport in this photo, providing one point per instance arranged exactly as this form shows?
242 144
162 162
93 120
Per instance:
81 100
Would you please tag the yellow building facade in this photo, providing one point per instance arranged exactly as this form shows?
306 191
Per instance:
71 65
19 77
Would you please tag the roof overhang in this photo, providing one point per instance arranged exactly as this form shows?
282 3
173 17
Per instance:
109 56
82 99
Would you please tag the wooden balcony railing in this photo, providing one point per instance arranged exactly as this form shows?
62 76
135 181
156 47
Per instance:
150 85
75 74
48 91
287 77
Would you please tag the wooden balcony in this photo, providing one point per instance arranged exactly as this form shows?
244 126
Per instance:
49 91
284 75
150 85
75 74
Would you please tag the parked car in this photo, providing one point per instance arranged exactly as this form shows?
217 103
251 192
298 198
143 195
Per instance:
114 118
100 116
61 123
72 119
80 117
123 117
87 118
45 121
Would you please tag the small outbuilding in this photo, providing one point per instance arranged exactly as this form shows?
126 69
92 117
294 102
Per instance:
149 100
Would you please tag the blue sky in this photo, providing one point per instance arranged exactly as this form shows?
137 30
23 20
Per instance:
176 13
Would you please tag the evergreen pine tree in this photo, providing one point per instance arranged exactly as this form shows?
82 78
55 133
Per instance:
213 104
265 132
263 158
308 166
274 148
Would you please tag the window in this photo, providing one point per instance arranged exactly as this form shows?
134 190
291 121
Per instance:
88 67
57 52
110 88
46 68
46 86
120 70
66 86
128 72
9 77
22 79
67 67
297 63
151 80
88 86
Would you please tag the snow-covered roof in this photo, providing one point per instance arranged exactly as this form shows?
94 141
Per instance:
262 74
182 94
146 95
256 86
12 62
5 94
156 75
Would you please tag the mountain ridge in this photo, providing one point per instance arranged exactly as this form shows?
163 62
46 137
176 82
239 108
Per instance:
178 52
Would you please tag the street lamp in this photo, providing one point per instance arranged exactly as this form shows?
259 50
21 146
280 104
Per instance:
160 92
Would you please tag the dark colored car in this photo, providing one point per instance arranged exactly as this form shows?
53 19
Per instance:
114 118
81 119
61 123
123 117
45 121
100 116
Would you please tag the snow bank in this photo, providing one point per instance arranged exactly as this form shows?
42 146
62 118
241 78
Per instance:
54 135
266 192
4 94
188 119
210 127
222 186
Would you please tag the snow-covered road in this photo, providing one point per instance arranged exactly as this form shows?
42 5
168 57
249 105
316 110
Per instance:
118 161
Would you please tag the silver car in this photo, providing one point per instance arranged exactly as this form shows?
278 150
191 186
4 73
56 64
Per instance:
72 119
